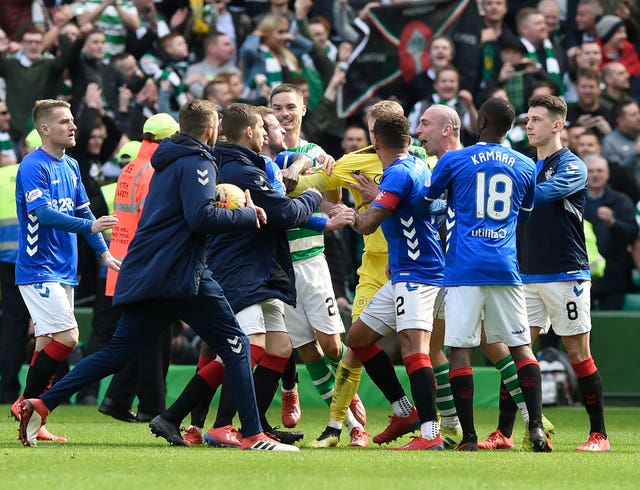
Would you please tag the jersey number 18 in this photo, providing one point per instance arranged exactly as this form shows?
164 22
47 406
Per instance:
493 199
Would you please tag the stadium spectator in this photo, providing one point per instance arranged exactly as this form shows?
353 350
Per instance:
518 74
235 24
320 29
441 54
587 110
616 84
323 124
217 91
7 151
588 55
535 37
355 138
588 143
136 104
587 14
493 27
279 8
612 36
266 52
622 145
620 178
317 66
30 75
113 17
218 58
144 38
172 92
86 65
447 91
551 12
612 215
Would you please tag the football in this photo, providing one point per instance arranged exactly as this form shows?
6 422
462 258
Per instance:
229 196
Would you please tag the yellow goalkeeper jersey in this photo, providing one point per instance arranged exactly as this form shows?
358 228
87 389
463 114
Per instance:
364 161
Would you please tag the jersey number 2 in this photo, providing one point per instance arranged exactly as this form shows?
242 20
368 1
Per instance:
493 200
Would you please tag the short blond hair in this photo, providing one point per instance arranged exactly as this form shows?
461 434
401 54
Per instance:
43 109
384 107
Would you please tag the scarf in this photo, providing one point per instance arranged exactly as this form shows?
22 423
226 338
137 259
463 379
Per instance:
273 70
552 65
488 60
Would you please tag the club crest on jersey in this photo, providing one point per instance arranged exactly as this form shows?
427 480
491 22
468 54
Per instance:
31 196
548 174
75 180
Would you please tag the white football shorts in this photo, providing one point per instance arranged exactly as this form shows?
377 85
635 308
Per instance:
264 317
50 305
505 315
565 305
401 306
316 306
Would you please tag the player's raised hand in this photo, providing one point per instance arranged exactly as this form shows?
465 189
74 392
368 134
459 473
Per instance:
366 187
327 162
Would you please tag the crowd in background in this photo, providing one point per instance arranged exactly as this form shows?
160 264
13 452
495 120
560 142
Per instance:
120 61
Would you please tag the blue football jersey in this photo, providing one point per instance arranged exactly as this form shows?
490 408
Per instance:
44 253
487 185
415 253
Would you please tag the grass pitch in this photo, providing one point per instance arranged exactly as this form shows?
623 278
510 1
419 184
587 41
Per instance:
105 453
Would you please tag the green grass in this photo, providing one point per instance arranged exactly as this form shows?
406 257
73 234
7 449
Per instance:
105 453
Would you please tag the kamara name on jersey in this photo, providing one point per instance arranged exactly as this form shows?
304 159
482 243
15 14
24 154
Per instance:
492 155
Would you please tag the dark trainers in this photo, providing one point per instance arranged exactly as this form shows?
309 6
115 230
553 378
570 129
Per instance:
285 437
108 407
163 428
540 443
468 445
330 437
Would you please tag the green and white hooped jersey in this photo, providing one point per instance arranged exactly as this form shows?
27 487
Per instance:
110 23
303 242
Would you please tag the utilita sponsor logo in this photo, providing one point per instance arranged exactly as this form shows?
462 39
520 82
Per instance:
486 233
